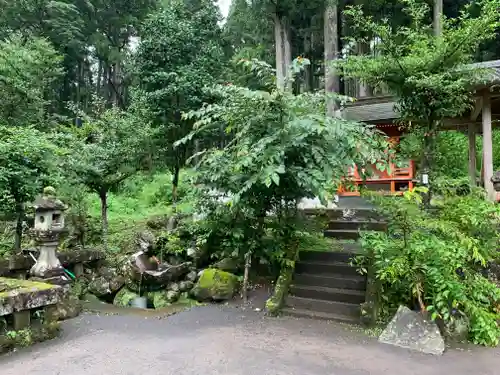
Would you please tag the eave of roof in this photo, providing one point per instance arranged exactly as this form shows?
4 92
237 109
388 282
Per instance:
379 109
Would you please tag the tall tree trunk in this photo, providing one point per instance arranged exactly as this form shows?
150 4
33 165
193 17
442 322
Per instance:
287 46
99 78
19 227
248 263
438 13
331 53
280 53
175 184
103 195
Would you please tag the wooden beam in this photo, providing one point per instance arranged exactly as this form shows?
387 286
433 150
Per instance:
472 154
488 146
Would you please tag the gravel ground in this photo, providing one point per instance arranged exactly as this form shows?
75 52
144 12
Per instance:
229 340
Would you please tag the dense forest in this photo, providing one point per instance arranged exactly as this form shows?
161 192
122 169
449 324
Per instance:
135 110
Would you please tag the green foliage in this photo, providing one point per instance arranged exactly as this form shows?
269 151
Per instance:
281 148
28 70
427 74
27 160
435 260
110 148
179 54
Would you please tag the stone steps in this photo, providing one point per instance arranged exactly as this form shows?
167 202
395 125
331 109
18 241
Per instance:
300 313
350 310
325 268
331 281
328 294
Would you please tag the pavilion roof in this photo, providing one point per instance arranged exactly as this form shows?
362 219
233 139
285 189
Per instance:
380 109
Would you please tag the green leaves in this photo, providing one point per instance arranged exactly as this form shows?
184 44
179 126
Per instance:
426 74
28 161
109 149
438 257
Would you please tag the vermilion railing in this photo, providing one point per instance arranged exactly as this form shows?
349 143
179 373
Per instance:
395 177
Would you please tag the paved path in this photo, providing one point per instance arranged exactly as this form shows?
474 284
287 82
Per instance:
229 341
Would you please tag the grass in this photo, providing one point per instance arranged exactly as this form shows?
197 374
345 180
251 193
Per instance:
141 198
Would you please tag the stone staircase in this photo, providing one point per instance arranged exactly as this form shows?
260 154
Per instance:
325 285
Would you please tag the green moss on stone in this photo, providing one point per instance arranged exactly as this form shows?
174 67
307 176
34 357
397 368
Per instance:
10 287
276 301
124 297
216 285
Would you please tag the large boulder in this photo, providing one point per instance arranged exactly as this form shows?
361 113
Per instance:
412 330
215 285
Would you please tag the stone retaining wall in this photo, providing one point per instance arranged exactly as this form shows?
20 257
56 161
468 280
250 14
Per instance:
19 266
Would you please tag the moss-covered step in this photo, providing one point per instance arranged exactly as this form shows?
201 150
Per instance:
19 295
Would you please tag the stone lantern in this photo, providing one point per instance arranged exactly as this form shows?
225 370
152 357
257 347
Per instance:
49 225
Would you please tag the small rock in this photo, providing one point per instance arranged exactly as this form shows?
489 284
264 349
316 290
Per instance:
457 329
172 296
409 329
192 276
68 308
185 286
124 297
173 286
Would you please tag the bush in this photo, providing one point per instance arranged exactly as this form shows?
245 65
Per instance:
435 261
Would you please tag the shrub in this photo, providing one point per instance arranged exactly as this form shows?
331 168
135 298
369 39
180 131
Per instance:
435 260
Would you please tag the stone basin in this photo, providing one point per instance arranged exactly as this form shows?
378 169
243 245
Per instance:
19 295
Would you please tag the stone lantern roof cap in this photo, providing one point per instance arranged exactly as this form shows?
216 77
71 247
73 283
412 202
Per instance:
48 201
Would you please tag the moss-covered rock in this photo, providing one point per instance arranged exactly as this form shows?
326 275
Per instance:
276 301
163 298
70 307
124 297
215 285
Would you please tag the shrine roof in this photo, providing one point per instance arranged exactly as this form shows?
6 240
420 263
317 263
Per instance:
380 109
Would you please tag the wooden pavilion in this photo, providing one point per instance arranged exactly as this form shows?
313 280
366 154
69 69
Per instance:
380 111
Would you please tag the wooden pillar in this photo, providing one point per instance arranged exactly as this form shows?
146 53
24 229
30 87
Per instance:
487 146
472 155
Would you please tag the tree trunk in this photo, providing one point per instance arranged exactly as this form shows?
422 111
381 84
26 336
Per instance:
103 194
248 263
438 13
175 184
19 227
280 53
287 46
331 53
99 78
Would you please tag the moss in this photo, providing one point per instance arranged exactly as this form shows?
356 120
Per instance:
276 301
10 287
124 297
216 285
29 336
